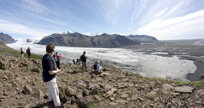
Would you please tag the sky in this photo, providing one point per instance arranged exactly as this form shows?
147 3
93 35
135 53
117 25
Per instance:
163 19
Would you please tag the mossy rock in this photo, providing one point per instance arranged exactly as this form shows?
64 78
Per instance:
36 69
3 67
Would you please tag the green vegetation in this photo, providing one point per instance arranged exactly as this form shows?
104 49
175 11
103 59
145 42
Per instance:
5 50
198 83
36 69
2 67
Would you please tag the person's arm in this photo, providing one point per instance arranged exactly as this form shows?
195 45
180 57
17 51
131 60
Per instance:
50 68
54 71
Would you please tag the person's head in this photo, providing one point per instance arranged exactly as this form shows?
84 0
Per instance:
84 52
50 47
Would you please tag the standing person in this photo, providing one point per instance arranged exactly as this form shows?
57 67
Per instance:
57 57
49 75
28 52
83 59
22 52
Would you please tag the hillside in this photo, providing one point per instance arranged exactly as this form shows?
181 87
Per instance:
5 38
21 86
143 38
7 51
103 40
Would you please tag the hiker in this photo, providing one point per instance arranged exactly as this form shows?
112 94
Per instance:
74 62
57 58
83 59
22 52
78 61
97 67
49 75
28 52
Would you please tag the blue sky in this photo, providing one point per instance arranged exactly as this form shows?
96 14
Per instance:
164 19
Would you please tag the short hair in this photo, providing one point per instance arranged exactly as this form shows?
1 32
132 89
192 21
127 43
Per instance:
50 47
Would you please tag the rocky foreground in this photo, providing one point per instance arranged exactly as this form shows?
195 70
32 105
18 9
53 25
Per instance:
21 86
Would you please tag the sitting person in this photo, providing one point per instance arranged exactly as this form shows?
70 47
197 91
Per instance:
97 67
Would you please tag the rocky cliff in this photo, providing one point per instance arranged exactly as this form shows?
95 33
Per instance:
5 38
103 40
143 38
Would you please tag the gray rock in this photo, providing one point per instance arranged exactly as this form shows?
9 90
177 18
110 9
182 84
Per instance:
94 91
39 94
152 94
81 83
86 92
124 95
167 87
85 102
110 92
121 101
108 87
97 97
70 91
27 90
200 92
184 89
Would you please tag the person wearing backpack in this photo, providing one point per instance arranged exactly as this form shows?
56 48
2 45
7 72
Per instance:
97 67
49 75
83 58
28 52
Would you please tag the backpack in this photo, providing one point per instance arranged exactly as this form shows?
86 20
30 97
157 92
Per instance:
95 66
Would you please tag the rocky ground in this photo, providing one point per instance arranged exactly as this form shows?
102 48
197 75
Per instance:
21 86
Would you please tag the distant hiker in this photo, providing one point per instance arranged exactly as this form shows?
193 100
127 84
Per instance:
97 67
49 72
21 52
78 61
57 58
28 52
83 59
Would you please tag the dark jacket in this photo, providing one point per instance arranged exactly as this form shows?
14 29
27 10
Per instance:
48 65
83 58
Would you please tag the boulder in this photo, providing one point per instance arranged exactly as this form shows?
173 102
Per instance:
108 87
152 94
81 83
85 102
97 97
27 90
70 91
200 93
184 89
110 92
124 95
167 86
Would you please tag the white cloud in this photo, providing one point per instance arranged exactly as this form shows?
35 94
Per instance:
179 27
22 29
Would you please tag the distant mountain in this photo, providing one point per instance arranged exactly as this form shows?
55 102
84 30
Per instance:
5 38
81 40
143 38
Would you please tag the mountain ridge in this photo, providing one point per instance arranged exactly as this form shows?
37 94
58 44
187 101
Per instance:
102 40
7 39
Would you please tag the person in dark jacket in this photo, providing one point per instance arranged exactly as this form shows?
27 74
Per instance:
83 58
28 52
21 52
49 75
